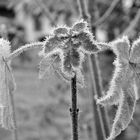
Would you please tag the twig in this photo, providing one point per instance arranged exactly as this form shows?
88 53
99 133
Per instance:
24 48
132 25
106 14
46 12
74 109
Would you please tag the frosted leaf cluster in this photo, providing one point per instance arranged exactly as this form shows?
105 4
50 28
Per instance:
67 47
123 90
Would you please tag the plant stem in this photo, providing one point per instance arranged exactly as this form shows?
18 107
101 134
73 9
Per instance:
11 90
24 48
74 109
100 130
96 70
101 118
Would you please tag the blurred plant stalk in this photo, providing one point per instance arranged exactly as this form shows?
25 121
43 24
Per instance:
101 117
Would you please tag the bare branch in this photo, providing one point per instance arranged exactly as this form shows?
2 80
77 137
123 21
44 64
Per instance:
106 14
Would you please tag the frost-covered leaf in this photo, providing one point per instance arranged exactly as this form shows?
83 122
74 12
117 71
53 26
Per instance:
124 85
46 65
135 52
88 44
121 49
103 46
61 31
51 43
113 94
80 26
124 113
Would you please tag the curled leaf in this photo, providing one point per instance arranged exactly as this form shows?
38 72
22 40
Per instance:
113 94
124 113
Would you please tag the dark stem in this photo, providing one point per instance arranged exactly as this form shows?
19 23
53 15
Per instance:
74 109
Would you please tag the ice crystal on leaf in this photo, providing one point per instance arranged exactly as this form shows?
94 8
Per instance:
69 45
7 85
123 90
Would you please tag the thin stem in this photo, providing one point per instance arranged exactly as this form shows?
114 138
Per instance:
101 122
15 133
74 109
83 10
96 71
24 48
97 110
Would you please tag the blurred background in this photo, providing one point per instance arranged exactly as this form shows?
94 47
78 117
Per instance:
42 107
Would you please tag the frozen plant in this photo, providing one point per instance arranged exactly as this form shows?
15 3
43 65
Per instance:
123 86
65 50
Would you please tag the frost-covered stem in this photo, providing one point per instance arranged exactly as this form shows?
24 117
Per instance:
74 109
24 48
100 114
